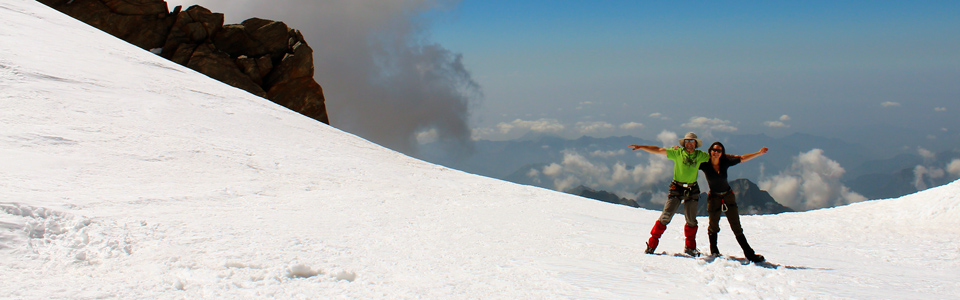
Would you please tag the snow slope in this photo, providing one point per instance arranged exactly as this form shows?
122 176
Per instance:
123 175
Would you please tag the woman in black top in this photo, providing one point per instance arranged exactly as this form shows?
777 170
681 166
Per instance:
721 197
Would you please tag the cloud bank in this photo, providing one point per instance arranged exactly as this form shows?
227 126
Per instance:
709 125
538 126
811 182
576 169
520 127
596 170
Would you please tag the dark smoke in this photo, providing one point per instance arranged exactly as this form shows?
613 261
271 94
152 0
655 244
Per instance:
382 78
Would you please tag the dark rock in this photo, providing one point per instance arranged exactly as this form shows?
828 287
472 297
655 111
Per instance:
303 95
183 53
294 65
137 7
254 38
604 196
218 65
144 23
192 26
263 57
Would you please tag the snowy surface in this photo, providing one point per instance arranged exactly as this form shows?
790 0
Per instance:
123 175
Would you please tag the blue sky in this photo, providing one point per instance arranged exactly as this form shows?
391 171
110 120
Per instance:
769 67
868 69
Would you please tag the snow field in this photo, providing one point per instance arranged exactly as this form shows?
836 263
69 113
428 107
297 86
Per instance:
127 176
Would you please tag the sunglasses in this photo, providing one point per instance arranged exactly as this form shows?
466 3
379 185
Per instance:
718 150
689 141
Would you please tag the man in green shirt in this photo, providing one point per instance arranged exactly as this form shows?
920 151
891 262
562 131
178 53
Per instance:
686 163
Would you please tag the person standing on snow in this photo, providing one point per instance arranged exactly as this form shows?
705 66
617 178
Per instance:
721 197
684 189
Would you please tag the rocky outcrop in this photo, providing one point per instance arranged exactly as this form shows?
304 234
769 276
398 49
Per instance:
751 200
604 196
263 57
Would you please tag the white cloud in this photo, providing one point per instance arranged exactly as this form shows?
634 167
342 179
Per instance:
533 173
668 138
541 125
631 126
813 181
566 183
954 168
776 124
482 133
926 154
940 109
553 169
709 124
593 127
659 116
427 136
784 189
576 169
889 104
608 154
921 173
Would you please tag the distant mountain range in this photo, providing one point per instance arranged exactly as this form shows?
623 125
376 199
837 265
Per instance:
901 175
872 172
750 199
500 159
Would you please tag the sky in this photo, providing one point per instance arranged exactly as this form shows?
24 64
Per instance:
441 74
127 176
773 67
407 72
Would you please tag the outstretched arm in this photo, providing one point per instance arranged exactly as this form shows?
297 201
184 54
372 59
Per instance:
750 156
651 149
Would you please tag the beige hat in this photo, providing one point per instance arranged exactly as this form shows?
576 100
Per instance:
691 136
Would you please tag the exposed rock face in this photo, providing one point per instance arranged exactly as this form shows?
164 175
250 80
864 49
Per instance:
263 57
144 23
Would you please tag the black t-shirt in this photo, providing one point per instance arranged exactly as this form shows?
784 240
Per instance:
718 181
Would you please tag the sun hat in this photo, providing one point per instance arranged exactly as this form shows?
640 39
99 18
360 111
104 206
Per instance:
691 136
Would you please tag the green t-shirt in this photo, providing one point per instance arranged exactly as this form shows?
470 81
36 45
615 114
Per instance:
686 164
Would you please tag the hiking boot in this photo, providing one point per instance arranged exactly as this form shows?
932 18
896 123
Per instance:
692 252
714 251
649 249
756 258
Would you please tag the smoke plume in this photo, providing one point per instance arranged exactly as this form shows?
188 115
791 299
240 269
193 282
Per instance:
382 78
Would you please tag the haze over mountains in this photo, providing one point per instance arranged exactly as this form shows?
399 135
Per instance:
606 164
